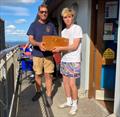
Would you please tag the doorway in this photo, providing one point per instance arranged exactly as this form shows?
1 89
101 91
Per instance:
104 28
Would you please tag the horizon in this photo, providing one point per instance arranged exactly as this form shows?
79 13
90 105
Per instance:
15 41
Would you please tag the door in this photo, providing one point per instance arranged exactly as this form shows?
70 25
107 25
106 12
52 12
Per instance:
103 49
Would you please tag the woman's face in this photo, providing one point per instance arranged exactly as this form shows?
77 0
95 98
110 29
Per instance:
68 20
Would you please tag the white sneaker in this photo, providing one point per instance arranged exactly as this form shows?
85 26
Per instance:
65 105
73 110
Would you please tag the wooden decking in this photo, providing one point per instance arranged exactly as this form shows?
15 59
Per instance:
26 108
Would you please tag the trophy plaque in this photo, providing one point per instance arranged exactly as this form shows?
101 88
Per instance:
54 41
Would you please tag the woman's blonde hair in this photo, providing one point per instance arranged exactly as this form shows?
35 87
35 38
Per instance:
67 12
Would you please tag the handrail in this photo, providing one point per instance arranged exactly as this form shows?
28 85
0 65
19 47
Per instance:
5 51
8 74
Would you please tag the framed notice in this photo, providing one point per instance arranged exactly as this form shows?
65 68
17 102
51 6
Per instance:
111 9
108 31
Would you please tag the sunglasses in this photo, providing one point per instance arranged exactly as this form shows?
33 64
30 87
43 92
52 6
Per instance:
45 12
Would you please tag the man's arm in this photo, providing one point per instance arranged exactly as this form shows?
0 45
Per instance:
32 41
35 43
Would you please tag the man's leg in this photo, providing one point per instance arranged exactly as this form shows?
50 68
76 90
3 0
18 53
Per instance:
48 69
38 88
38 82
37 66
48 83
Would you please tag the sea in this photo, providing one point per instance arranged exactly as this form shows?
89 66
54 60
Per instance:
11 44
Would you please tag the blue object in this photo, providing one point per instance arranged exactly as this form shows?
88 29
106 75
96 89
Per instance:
28 50
21 48
27 65
108 77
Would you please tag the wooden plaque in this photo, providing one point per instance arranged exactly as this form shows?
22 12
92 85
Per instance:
54 41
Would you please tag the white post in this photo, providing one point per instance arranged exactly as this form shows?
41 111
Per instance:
117 84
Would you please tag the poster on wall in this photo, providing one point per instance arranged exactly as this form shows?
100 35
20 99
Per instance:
110 9
108 29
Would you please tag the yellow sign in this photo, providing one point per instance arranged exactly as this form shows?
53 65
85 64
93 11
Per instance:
109 54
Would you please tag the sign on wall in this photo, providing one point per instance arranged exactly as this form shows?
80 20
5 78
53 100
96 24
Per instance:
109 54
110 9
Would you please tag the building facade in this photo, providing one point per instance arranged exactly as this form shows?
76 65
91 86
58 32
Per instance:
100 21
2 35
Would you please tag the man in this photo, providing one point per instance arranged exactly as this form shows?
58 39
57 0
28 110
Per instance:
41 58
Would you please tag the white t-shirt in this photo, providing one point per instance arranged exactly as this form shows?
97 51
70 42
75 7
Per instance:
72 33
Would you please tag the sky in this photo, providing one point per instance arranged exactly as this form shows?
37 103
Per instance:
18 15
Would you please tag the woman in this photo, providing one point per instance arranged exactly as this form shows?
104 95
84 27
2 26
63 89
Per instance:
70 62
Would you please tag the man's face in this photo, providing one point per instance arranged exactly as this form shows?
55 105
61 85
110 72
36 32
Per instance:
43 13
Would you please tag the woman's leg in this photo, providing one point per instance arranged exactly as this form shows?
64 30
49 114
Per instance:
67 90
64 71
74 92
66 86
73 88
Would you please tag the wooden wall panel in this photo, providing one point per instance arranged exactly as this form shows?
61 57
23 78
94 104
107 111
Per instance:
91 92
99 43
96 45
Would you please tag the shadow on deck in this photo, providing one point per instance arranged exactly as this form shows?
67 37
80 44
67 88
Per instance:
27 108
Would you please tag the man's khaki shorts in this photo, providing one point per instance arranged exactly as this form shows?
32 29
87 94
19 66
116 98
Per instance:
45 63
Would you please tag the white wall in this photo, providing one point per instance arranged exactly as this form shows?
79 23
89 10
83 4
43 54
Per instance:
117 85
84 19
84 82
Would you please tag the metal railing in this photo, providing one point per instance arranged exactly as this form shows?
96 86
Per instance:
8 78
10 75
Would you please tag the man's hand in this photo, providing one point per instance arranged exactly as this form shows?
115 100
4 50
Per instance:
42 46
35 43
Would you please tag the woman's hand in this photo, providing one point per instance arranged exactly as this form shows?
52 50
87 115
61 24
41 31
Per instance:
56 49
